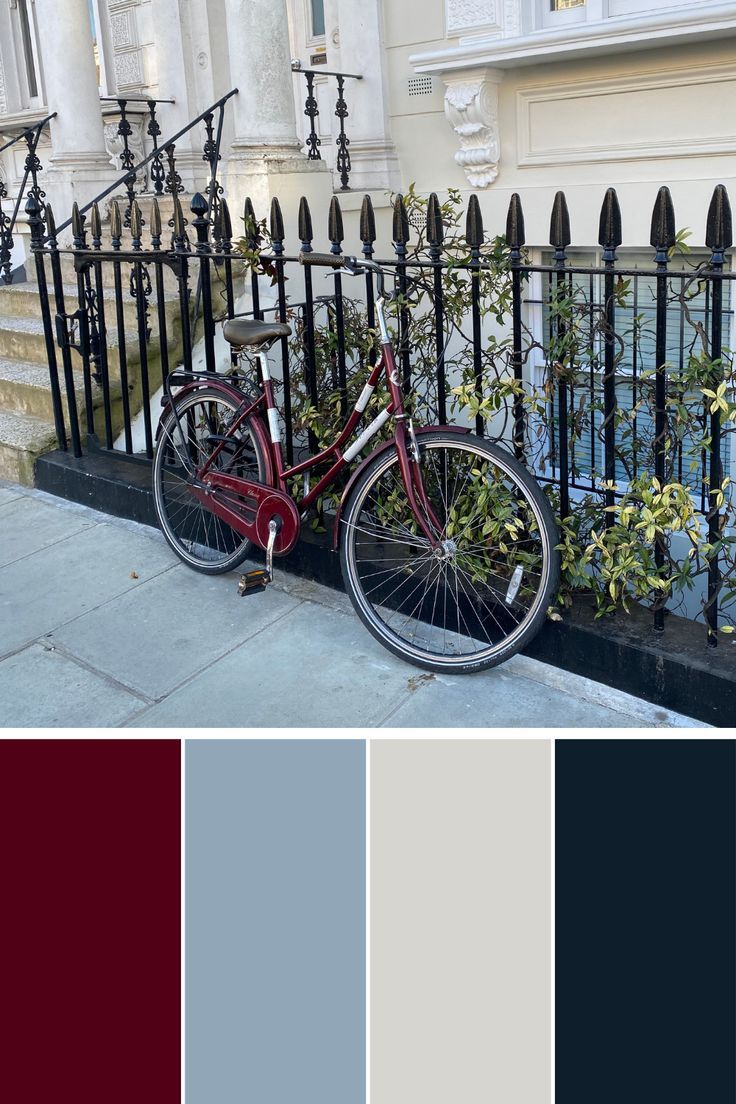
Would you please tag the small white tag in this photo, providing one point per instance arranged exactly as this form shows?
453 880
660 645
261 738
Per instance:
514 584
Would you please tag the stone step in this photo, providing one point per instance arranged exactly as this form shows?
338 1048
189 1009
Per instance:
21 301
23 438
23 339
26 389
69 275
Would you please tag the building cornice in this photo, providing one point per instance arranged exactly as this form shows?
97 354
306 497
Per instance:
701 22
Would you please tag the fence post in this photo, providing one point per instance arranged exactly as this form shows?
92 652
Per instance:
276 229
516 238
559 237
336 235
435 238
201 224
610 237
368 238
401 237
306 234
35 222
662 239
718 238
102 375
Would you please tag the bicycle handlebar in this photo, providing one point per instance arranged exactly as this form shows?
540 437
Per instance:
352 265
326 260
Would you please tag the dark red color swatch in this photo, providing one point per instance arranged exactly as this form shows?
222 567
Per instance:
90 921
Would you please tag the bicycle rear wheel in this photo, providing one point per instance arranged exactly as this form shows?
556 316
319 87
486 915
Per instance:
199 538
480 597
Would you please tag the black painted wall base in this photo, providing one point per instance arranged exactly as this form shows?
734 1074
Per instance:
674 669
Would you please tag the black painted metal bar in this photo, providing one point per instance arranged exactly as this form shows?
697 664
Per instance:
342 142
201 226
474 237
662 239
160 291
718 238
368 238
158 172
516 239
66 356
226 248
336 236
35 222
435 238
251 237
610 238
276 228
116 230
306 235
401 237
80 244
559 236
101 355
32 166
138 290
311 110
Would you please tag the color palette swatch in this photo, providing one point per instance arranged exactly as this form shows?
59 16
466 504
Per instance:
368 922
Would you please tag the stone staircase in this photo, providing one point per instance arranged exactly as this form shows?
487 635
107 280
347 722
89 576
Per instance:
26 411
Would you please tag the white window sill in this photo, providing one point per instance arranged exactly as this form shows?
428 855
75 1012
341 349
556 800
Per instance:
702 22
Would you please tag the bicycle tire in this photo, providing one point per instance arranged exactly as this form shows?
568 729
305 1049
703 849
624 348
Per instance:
198 537
480 599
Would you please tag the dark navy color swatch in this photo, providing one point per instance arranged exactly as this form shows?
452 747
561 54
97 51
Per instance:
645 921
275 921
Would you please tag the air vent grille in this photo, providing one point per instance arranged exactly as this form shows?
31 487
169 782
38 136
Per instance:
420 86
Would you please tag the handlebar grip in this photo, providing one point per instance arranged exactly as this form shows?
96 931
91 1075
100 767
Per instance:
326 260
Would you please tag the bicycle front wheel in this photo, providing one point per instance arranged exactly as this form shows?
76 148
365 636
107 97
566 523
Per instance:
199 538
484 593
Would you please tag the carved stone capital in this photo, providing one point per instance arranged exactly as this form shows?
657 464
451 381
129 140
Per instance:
471 107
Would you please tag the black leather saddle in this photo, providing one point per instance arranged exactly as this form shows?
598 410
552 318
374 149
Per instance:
247 331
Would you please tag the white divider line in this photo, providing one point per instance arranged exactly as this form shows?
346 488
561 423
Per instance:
183 920
552 916
368 920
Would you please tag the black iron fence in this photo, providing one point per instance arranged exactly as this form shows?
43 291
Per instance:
32 167
611 378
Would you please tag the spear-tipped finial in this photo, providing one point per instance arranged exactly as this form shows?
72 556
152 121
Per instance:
610 235
95 225
401 221
249 219
305 225
367 222
435 227
226 225
78 226
136 222
719 224
116 223
276 221
178 221
474 223
334 223
50 224
664 234
155 225
33 210
559 227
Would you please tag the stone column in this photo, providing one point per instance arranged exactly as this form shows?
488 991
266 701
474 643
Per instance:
171 22
79 166
266 157
372 152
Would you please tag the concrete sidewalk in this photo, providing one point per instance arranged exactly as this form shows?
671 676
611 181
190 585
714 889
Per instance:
101 626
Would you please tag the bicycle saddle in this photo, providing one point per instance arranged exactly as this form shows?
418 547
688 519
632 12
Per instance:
246 331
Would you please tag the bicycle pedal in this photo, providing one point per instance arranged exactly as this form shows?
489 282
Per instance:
253 582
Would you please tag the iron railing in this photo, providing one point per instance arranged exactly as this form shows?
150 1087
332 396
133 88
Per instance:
31 168
612 346
343 164
127 157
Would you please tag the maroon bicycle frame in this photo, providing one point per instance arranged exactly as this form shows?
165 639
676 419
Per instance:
408 463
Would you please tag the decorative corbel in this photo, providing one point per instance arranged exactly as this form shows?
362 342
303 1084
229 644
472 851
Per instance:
471 107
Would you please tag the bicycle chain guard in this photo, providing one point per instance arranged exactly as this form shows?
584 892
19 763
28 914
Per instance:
248 507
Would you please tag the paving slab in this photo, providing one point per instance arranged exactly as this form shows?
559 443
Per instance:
315 667
187 620
41 688
56 584
8 494
27 524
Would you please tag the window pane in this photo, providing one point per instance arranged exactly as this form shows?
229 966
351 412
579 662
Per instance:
318 17
562 5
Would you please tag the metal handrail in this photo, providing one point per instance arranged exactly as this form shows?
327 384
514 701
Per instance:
29 130
147 160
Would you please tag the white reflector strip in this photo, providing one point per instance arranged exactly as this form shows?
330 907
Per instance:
365 395
273 421
514 584
368 432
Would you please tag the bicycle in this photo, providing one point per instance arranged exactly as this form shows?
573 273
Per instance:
447 543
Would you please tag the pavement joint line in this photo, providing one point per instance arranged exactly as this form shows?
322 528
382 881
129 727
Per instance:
92 609
217 659
51 544
79 662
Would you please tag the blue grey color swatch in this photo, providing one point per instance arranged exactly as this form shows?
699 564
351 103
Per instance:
275 921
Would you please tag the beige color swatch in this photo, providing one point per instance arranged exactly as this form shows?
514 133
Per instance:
460 922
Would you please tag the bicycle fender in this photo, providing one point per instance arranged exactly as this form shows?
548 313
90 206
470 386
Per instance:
378 452
255 423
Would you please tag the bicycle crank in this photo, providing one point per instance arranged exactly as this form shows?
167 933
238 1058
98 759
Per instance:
258 579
